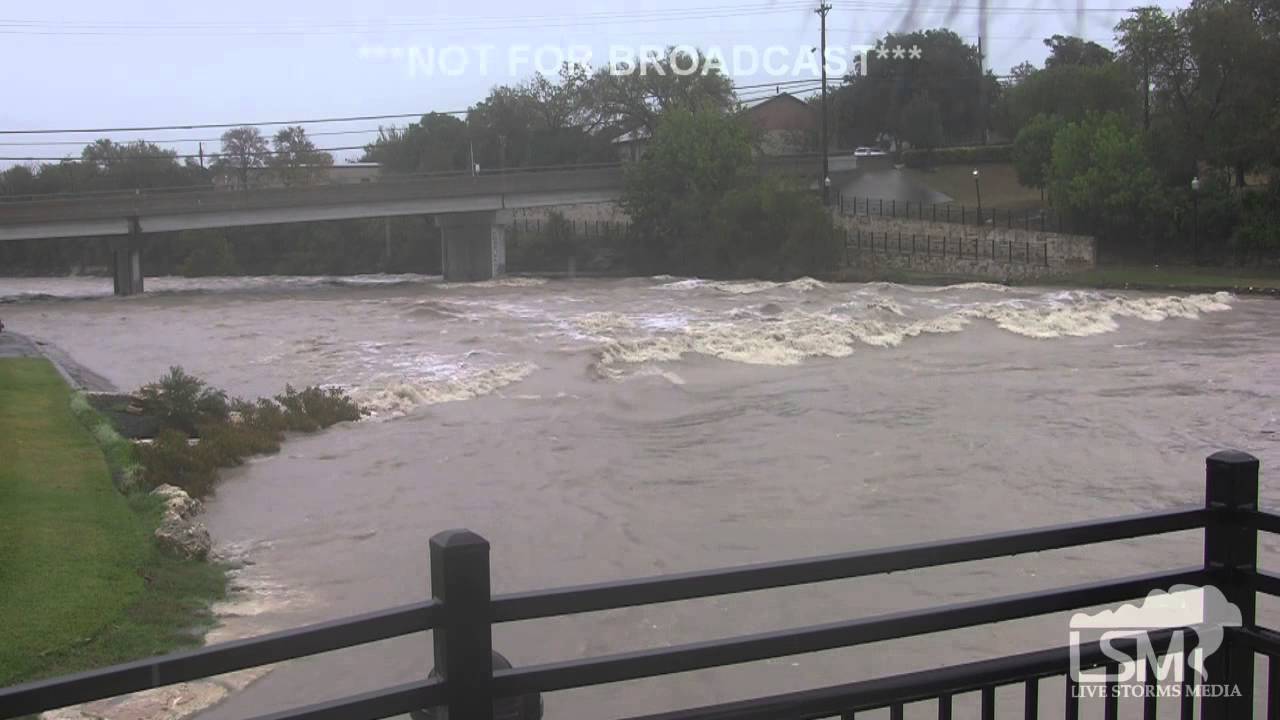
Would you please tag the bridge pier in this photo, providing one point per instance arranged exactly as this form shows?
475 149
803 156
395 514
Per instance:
473 246
126 261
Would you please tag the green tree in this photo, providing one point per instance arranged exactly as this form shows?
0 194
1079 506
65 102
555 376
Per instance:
693 160
1145 40
1069 92
1065 50
771 227
632 97
1033 150
436 143
296 161
698 206
948 72
921 123
243 150
542 121
1100 177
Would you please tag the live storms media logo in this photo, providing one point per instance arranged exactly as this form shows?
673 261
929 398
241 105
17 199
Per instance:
1123 635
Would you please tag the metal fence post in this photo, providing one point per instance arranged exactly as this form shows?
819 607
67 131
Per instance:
463 643
1231 556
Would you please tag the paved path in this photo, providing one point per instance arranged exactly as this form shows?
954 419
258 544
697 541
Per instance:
77 376
15 345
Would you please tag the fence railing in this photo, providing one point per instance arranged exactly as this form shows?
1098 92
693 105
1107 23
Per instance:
462 612
1028 219
1009 252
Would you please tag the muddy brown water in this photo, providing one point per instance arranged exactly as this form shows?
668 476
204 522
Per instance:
596 430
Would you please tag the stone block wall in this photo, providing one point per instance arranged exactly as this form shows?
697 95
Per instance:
998 253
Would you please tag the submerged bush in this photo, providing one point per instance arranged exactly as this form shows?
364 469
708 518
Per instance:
182 401
313 408
172 459
229 431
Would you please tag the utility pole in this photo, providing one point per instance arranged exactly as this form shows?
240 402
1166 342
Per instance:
822 11
982 89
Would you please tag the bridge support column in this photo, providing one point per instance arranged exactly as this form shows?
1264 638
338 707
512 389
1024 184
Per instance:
473 246
126 261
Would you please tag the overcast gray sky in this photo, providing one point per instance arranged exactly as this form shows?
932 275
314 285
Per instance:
91 64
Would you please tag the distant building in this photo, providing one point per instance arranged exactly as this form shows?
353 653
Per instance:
786 123
630 145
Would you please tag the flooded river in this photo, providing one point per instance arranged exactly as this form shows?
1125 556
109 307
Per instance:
595 430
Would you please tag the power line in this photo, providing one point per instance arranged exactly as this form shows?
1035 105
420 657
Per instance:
206 126
171 141
315 121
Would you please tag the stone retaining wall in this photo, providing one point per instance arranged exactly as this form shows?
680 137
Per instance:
998 253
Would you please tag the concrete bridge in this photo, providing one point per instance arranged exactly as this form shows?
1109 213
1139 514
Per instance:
464 207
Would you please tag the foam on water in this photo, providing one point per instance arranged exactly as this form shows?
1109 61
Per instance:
389 397
514 282
748 336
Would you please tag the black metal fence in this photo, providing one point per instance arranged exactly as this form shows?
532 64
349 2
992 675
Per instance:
1008 252
550 244
1028 219
462 612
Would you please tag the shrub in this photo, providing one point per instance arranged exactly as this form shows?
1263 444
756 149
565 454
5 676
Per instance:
314 408
182 401
229 431
210 256
772 228
172 459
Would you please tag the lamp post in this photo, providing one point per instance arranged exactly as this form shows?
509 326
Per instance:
1195 223
822 11
977 186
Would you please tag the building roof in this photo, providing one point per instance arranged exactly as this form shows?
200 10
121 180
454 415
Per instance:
783 111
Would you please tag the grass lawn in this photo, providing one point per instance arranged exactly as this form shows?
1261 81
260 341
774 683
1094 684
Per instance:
999 182
81 582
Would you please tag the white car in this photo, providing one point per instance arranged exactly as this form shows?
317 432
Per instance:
868 152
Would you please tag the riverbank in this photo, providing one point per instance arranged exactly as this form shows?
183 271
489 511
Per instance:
1120 277
85 585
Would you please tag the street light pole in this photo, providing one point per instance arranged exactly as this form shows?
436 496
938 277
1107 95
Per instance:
978 189
1195 225
822 11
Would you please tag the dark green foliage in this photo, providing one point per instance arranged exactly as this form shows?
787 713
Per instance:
182 401
313 408
211 257
228 431
948 72
771 228
1033 150
699 206
173 460
1100 176
1069 92
1258 236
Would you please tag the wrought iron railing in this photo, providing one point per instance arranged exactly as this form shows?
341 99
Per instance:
462 612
